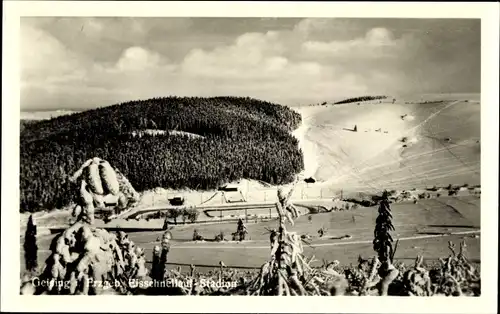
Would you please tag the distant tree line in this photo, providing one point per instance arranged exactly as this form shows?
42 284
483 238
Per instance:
242 138
358 99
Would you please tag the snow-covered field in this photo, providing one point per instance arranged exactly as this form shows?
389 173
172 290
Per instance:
400 145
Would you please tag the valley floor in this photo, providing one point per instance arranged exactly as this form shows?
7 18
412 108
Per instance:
424 229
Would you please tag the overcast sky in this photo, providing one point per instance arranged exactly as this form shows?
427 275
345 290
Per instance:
78 63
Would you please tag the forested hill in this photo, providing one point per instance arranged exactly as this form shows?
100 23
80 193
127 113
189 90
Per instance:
24 122
238 138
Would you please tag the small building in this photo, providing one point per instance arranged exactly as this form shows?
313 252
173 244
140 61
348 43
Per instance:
310 180
176 201
229 188
232 194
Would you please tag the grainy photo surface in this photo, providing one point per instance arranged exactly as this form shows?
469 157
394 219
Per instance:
250 156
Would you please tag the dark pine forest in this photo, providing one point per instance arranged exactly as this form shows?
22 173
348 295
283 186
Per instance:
239 138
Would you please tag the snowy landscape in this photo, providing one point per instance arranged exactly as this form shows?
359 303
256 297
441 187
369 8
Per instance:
194 166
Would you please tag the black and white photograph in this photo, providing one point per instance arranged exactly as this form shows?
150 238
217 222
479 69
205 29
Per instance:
251 156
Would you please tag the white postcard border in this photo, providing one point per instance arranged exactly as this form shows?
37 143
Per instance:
12 301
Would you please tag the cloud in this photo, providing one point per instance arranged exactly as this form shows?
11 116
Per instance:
103 39
296 67
52 76
252 54
377 43
328 29
262 65
138 59
85 62
42 55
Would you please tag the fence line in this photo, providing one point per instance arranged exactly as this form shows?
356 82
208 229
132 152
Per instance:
430 259
257 195
263 194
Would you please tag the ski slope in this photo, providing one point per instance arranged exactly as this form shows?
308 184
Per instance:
397 146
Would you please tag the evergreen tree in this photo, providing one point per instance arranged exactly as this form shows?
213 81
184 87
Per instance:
382 242
156 271
30 246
